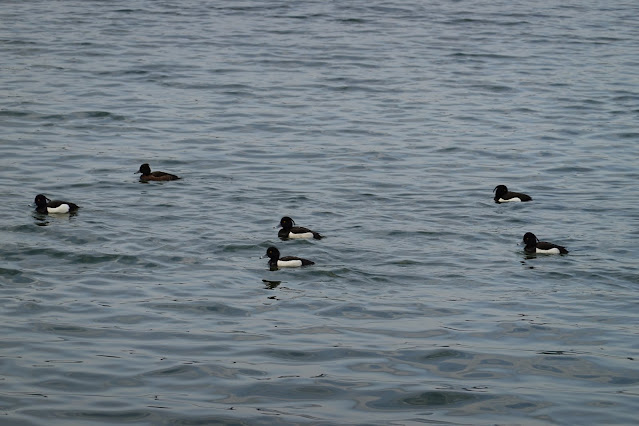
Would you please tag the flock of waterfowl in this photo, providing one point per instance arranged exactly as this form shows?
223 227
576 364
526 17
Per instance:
289 231
533 245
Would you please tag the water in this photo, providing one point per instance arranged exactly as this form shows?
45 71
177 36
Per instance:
382 125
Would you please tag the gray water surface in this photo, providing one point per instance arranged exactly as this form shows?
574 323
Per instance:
384 126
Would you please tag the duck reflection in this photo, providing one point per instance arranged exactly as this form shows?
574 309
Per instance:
43 219
271 285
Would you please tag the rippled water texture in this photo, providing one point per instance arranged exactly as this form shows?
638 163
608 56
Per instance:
384 126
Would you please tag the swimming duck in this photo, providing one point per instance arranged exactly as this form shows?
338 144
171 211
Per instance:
290 231
275 261
503 195
533 245
147 175
46 206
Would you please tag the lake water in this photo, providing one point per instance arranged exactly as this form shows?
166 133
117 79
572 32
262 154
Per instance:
384 125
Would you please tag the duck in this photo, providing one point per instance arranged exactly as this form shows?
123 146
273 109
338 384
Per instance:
275 261
503 195
533 245
147 175
295 232
46 206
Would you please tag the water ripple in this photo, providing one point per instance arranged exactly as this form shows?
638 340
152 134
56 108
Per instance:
385 126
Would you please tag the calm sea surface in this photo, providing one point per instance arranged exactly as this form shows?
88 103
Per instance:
384 125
